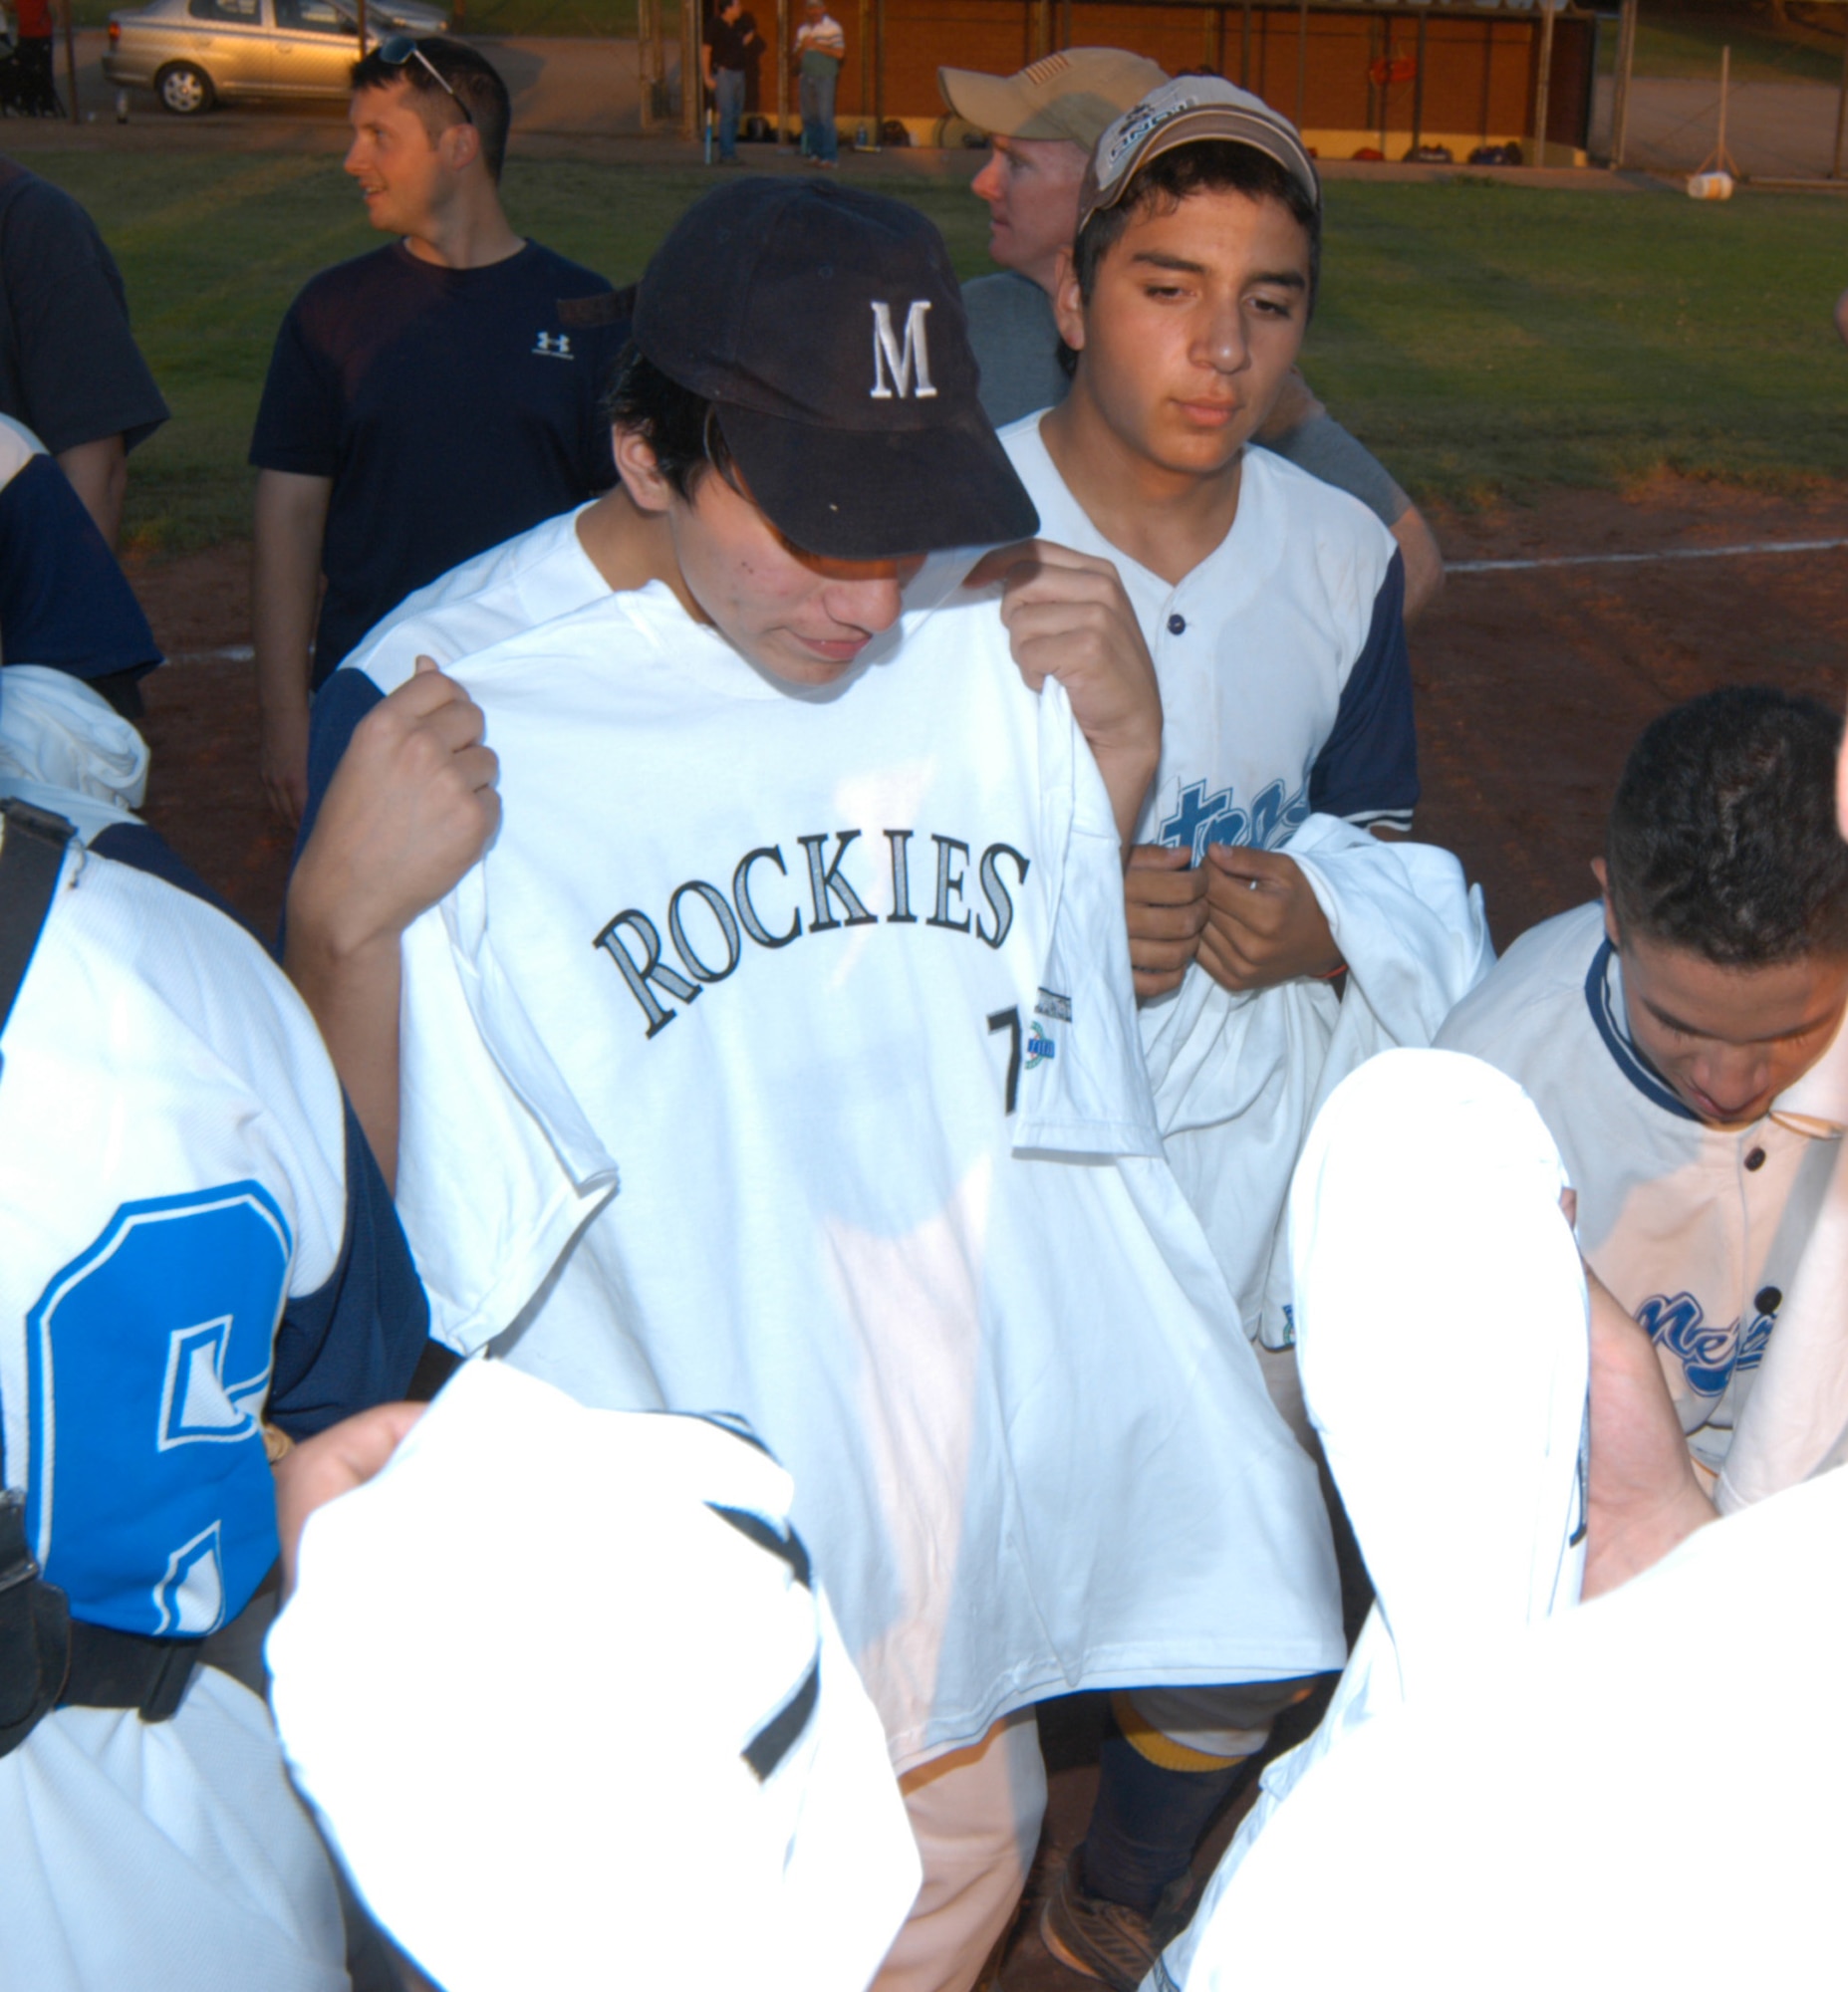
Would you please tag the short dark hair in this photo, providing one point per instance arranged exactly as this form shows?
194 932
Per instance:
474 80
1211 165
674 422
1722 837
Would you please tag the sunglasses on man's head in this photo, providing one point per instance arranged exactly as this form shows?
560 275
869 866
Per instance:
402 49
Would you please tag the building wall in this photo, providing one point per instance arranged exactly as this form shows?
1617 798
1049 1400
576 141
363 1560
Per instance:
1476 83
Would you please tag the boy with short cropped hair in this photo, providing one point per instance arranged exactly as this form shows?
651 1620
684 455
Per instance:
1677 1038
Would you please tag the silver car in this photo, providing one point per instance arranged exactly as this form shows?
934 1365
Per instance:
191 53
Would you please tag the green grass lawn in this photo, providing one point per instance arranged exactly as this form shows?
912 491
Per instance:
1482 338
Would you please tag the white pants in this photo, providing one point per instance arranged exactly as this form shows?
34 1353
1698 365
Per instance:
977 1815
163 1856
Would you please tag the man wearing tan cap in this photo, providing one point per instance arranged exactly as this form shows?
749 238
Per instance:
1043 122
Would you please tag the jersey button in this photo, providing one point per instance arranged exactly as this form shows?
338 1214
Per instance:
1176 624
1767 1300
1755 1160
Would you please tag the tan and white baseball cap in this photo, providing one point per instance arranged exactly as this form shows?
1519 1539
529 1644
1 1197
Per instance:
1073 95
1184 113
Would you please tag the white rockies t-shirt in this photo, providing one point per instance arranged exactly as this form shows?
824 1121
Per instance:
839 983
1697 1230
511 588
1281 658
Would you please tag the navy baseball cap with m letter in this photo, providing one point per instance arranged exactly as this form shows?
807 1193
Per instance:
826 327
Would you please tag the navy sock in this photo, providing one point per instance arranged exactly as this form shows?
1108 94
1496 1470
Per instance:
1147 1822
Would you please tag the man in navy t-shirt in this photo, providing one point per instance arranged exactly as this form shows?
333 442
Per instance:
426 401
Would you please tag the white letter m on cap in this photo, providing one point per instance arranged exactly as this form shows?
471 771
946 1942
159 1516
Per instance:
892 368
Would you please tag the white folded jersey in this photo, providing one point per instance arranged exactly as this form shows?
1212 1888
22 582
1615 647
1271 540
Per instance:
1697 1230
840 982
1281 658
591 1642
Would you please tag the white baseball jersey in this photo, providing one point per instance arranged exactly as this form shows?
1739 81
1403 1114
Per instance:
171 1178
1281 658
1697 1230
694 1695
839 983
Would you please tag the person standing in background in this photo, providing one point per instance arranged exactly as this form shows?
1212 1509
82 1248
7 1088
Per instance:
35 58
426 401
69 369
731 44
821 49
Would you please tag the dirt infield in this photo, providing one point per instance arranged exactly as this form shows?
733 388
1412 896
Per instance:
1530 684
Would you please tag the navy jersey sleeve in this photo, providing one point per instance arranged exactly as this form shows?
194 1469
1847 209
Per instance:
1367 769
299 418
355 1342
339 705
64 602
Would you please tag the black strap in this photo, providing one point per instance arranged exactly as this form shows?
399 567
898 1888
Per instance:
31 858
35 1633
110 1670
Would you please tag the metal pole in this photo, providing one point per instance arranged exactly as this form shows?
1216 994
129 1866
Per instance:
782 75
1302 60
879 73
1417 87
1841 106
1620 105
692 79
645 68
1726 78
1244 48
1541 84
866 73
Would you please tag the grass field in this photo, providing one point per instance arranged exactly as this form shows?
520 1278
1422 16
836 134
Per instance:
1483 337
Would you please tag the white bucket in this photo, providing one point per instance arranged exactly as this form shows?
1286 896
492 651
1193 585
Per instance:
1710 186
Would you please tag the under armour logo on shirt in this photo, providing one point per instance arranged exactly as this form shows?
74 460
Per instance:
896 366
554 346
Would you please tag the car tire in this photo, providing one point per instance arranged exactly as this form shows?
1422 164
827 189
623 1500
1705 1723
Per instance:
184 90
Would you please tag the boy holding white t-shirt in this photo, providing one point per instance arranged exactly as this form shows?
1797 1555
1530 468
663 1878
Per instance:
818 934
